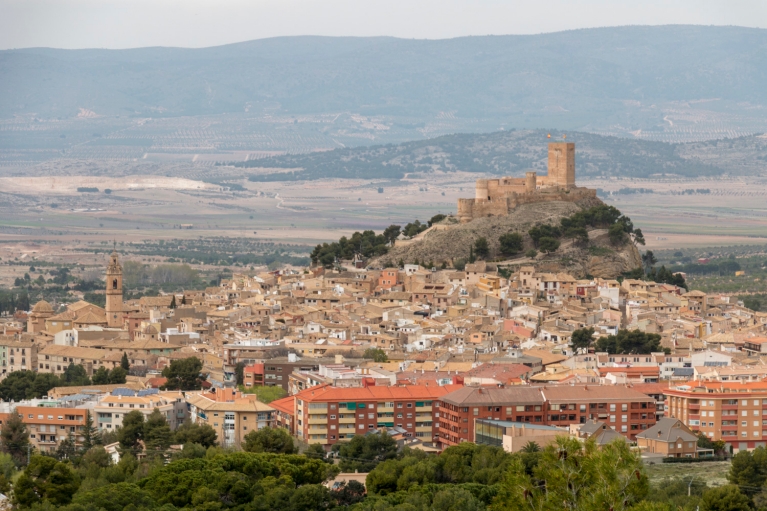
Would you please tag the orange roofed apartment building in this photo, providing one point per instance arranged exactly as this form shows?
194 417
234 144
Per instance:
627 411
735 412
325 415
48 425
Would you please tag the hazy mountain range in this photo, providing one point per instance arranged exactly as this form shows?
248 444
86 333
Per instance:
607 80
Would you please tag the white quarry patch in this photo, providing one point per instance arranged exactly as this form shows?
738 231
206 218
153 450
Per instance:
68 185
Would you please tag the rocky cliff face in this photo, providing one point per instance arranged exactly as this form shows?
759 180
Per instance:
450 241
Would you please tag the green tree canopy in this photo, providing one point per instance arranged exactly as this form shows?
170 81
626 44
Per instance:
75 375
201 434
101 376
46 479
276 440
14 438
116 497
124 363
118 375
364 452
725 498
582 339
183 374
157 435
628 342
132 431
481 248
548 245
578 477
511 243
375 354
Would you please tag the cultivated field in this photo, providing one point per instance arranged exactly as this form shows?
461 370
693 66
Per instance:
47 218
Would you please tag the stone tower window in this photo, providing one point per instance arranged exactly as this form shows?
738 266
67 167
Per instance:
114 284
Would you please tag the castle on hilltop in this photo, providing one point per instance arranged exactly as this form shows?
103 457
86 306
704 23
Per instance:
497 197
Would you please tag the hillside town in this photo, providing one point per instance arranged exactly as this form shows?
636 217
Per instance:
434 357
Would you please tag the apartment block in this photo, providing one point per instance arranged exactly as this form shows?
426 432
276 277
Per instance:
625 410
325 415
50 425
17 356
110 411
230 413
735 412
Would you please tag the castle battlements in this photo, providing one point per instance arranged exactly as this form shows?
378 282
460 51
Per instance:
496 197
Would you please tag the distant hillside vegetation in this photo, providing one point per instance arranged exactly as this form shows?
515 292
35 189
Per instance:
502 153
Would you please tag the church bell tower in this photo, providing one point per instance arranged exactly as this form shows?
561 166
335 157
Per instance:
114 305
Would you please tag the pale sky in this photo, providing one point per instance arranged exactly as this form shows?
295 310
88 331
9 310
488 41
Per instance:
200 23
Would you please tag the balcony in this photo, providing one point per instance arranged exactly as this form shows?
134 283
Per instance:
315 430
423 429
347 420
317 421
729 407
692 406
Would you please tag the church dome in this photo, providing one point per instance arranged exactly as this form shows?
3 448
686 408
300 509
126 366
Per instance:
42 307
149 330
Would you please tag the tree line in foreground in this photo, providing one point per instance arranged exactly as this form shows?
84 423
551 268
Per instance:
267 474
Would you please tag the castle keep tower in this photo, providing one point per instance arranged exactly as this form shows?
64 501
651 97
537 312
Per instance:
114 305
562 164
497 197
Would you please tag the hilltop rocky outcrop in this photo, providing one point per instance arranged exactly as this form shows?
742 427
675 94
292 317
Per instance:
450 241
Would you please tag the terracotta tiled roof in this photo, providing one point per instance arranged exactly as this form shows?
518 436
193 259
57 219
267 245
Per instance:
327 393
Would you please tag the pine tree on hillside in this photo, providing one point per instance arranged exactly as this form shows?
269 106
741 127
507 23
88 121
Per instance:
124 362
14 438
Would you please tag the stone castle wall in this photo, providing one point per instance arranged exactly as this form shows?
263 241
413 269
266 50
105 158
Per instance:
469 209
496 197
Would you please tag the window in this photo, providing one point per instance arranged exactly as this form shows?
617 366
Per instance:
612 418
612 407
362 426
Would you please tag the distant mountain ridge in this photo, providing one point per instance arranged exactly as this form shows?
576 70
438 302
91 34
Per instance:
513 152
582 79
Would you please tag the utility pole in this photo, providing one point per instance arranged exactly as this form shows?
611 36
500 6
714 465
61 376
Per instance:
689 486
